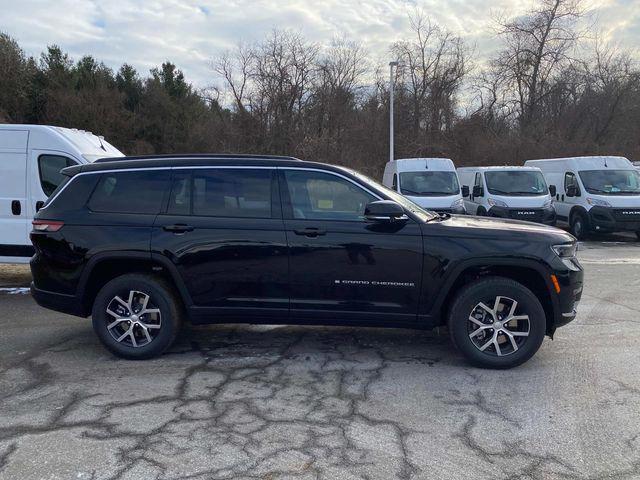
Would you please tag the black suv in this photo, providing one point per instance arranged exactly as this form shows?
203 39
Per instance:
142 243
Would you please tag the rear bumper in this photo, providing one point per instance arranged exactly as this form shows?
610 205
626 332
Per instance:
537 215
59 302
606 219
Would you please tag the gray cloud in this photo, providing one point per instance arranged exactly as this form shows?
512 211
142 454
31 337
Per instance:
190 33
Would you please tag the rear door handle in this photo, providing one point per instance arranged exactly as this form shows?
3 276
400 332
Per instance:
310 232
178 228
16 207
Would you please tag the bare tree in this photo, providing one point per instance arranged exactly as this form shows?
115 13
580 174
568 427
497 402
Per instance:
538 45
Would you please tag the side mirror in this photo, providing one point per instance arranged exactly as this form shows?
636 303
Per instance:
572 191
552 190
465 190
384 211
478 191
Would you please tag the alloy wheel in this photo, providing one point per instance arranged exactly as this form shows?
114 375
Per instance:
498 330
135 322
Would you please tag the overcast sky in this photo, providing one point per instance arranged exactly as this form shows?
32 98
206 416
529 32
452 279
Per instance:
145 33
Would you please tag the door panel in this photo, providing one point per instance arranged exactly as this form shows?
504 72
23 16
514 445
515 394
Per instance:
14 221
347 268
231 266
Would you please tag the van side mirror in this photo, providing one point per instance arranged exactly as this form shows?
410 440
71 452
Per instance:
478 191
572 191
552 190
465 190
384 211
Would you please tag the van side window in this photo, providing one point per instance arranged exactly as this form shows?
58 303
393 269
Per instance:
49 167
130 192
395 182
220 192
478 181
323 196
570 179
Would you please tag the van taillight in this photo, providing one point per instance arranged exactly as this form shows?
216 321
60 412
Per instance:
47 225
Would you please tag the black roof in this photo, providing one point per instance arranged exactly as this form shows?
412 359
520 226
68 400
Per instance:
187 160
173 156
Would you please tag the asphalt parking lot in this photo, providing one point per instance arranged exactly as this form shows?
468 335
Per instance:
327 403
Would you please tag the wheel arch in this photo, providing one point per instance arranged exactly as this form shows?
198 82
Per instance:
527 272
104 267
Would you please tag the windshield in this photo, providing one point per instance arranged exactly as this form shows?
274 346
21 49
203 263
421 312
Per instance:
611 182
426 184
426 215
516 182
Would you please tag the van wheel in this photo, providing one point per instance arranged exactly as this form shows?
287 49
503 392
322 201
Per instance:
481 212
136 316
497 323
579 226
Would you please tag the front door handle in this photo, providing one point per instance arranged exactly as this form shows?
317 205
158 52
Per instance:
178 228
310 232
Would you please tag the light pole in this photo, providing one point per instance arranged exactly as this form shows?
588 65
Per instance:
391 82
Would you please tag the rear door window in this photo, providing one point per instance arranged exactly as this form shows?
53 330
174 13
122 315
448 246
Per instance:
130 192
220 192
49 167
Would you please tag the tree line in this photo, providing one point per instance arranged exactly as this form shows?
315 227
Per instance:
553 89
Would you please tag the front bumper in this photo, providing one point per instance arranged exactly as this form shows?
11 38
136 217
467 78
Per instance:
570 283
537 215
607 219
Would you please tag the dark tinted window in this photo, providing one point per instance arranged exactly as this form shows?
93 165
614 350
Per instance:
323 196
130 192
219 192
49 167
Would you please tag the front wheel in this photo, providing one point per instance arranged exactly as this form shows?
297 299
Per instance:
497 323
136 316
579 226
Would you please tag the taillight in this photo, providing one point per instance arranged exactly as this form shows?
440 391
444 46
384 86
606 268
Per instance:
47 225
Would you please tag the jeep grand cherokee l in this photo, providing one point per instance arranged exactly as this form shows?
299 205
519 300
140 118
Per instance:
141 244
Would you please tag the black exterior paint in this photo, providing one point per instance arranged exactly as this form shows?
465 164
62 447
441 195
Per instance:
266 271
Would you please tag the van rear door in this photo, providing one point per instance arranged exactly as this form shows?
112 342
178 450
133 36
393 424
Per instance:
14 228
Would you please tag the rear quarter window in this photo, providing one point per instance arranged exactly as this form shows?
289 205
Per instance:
138 192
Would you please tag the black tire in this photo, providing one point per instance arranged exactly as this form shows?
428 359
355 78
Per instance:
579 225
484 290
162 326
481 212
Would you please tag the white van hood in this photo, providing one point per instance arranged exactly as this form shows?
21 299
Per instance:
432 202
616 201
516 201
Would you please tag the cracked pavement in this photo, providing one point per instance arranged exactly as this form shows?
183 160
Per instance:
325 403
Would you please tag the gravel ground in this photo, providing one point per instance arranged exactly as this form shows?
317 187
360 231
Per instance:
329 403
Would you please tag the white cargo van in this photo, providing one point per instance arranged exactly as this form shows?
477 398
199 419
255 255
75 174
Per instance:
595 194
31 157
432 183
520 193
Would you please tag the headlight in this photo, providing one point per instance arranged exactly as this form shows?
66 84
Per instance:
496 203
598 203
566 250
547 203
459 203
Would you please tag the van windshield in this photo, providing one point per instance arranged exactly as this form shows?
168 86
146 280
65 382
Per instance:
426 184
516 183
611 182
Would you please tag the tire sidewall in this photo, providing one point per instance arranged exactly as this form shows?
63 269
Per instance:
579 218
486 289
159 294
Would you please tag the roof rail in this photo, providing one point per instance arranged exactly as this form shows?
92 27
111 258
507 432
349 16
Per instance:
212 156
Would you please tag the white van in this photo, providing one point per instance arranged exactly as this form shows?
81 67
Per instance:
520 193
595 194
31 157
432 183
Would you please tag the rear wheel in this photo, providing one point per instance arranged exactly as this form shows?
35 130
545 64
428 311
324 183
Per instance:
497 323
579 225
136 316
